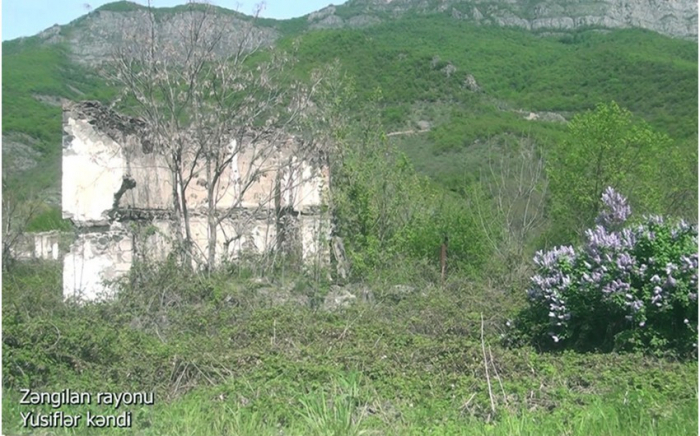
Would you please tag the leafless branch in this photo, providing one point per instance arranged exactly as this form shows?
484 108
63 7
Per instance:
212 111
486 366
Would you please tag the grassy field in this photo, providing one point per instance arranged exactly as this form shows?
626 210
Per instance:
222 360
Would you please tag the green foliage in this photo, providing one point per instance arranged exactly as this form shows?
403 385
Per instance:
120 6
467 127
608 147
408 57
386 212
26 74
408 366
337 413
669 315
654 76
36 78
32 72
49 219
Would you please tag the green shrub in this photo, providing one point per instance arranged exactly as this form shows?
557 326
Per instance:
388 214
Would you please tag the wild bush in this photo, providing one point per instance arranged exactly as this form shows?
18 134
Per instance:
609 147
628 287
389 215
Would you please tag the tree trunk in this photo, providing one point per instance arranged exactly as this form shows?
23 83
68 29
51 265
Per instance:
211 218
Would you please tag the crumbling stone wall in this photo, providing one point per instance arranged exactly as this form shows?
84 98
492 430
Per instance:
41 245
113 181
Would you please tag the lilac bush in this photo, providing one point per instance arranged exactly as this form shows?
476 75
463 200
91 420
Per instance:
626 287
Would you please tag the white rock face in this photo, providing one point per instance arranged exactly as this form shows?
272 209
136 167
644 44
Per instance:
675 18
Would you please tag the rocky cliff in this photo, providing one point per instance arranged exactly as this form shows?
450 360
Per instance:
675 18
92 37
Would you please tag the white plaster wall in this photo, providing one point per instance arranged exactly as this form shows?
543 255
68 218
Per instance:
40 245
255 235
259 195
93 259
311 189
93 167
315 237
153 188
46 245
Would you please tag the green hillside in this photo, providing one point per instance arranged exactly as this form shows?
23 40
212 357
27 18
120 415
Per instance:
35 78
654 76
409 60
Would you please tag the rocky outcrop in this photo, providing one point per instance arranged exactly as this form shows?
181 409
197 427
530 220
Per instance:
19 153
94 37
675 18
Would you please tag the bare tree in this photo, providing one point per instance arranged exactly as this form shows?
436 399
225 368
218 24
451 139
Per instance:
17 212
517 187
215 103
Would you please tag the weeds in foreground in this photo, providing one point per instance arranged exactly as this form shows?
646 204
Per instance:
412 362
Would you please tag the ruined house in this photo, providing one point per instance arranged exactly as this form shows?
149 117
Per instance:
113 183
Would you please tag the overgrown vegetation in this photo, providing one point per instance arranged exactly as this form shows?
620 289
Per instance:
396 217
406 364
605 147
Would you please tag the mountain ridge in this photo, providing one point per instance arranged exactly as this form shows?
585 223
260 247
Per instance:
89 35
675 18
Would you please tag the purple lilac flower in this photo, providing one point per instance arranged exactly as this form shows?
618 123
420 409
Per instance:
689 263
629 239
550 258
601 240
670 282
615 209
624 262
636 305
654 219
616 286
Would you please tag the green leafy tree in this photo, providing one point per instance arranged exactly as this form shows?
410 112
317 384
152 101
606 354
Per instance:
384 210
608 147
